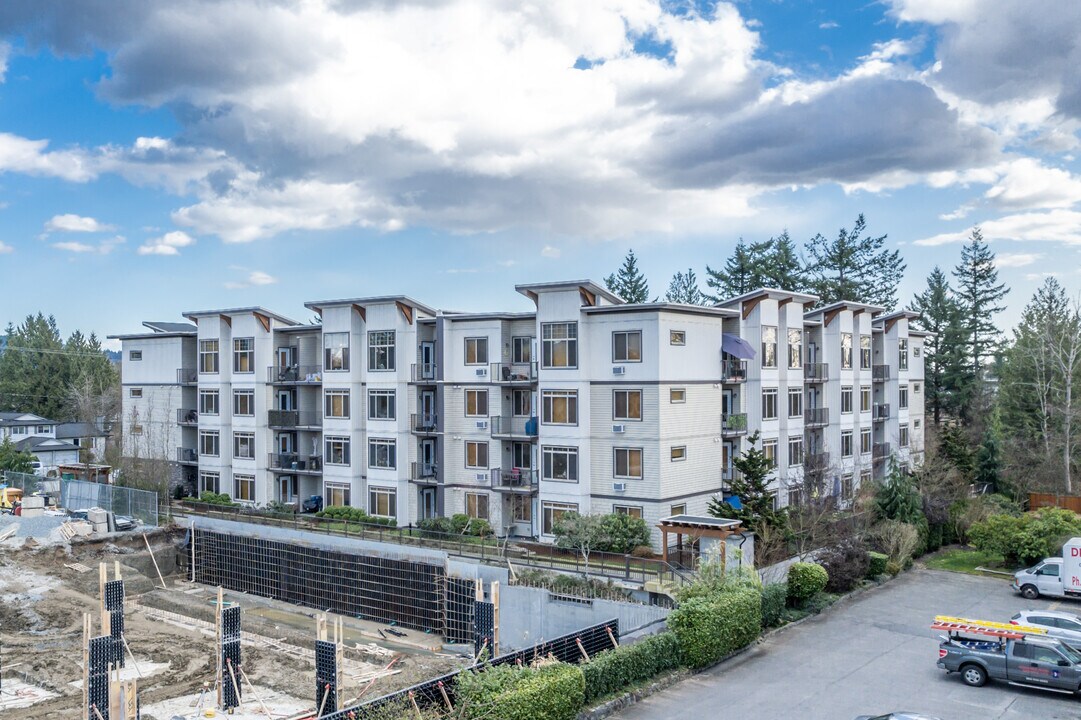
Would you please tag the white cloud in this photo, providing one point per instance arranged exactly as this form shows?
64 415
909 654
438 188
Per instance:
74 223
168 244
103 247
5 248
1012 260
22 155
1028 184
549 251
255 278
828 25
5 57
1040 275
1062 226
960 213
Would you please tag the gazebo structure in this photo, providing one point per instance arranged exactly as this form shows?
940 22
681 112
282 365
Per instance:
697 526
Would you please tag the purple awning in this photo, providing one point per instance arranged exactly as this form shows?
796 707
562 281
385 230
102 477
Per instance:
737 346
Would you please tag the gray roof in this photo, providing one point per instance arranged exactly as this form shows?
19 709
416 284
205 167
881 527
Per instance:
662 307
239 311
568 284
44 444
79 430
17 418
317 305
170 327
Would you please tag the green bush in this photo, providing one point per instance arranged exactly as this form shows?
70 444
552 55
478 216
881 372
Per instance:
462 524
1026 539
774 597
878 564
213 498
433 527
354 514
894 567
846 565
712 626
613 670
623 533
805 580
512 692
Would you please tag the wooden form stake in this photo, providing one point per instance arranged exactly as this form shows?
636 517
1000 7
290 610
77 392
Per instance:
323 702
413 700
132 656
155 561
446 698
495 619
612 637
87 622
236 687
193 550
218 675
581 648
103 576
251 687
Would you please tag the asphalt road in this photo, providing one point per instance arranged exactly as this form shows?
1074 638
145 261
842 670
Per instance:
869 655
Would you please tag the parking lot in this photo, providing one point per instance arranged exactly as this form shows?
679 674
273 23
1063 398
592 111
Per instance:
873 654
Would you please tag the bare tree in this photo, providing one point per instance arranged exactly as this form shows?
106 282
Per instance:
1062 341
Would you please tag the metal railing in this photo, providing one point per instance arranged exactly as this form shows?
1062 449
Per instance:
295 462
187 376
733 371
295 375
880 451
186 455
816 372
734 424
423 471
816 461
422 372
880 411
513 372
288 419
880 373
187 417
515 479
513 426
423 422
816 417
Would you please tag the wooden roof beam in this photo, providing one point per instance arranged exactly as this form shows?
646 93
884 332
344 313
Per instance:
750 305
406 310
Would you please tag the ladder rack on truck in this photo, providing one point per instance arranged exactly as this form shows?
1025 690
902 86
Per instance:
1004 631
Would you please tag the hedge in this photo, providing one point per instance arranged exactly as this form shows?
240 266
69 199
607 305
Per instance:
774 597
878 564
354 514
712 626
805 580
513 692
1026 539
614 670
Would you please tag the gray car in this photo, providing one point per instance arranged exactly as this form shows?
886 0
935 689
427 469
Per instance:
1061 625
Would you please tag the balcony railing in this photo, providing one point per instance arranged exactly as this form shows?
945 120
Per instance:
880 412
734 424
816 417
187 455
295 463
816 462
295 375
423 472
729 474
514 372
816 372
425 423
880 373
880 451
187 417
422 372
733 371
514 479
512 426
291 419
187 376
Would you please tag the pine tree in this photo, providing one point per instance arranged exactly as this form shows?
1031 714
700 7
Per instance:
751 485
854 267
14 460
740 273
782 268
944 350
988 461
628 282
979 295
684 289
954 447
897 498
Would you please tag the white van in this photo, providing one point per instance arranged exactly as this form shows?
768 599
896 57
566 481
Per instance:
1053 576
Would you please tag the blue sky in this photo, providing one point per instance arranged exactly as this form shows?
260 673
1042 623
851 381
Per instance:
156 158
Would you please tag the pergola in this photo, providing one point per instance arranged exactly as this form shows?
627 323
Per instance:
698 526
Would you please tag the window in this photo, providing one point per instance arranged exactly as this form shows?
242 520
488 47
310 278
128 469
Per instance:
476 351
846 486
208 443
846 398
337 451
476 455
244 355
677 337
521 508
208 482
135 430
244 403
18 430
383 502
865 441
902 396
769 403
865 398
902 354
769 449
916 351
916 388
552 513
336 351
522 403
135 355
865 478
794 492
381 350
795 402
626 404
634 511
846 351
865 352
381 405
680 509
208 402
628 463
337 495
336 403
43 430
244 488
627 346
244 445
560 463
679 453
383 453
769 346
916 423
521 350
476 403
677 395
795 450
476 505
846 443
795 347
559 345
902 438
208 356
135 392
560 407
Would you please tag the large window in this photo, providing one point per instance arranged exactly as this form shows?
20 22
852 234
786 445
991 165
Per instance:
381 350
244 355
846 398
208 402
846 443
846 486
208 356
244 488
559 345
521 350
634 511
521 510
626 404
846 351
902 437
337 451
383 502
476 403
476 455
244 445
244 403
476 505
381 405
865 441
627 346
336 351
902 396
865 352
476 351
209 482
383 453
560 407
795 347
560 463
865 398
902 354
769 346
628 463
769 449
795 450
795 402
553 512
337 495
336 403
522 403
769 403
208 443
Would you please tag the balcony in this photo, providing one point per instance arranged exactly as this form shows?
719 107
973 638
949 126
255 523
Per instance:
816 372
733 371
295 464
187 417
294 420
816 417
514 480
816 462
187 456
880 412
730 474
423 473
880 373
422 372
295 375
187 376
514 373
423 423
514 427
734 424
880 452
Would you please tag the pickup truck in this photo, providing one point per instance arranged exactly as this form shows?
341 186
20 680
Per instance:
1030 661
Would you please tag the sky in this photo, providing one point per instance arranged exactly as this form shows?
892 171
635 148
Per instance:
203 154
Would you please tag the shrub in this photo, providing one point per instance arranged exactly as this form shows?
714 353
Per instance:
774 597
614 670
553 691
897 539
1026 539
712 626
432 527
893 567
846 564
713 578
213 498
819 602
877 564
805 580
354 514
623 533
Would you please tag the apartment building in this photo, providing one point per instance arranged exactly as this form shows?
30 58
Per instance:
584 403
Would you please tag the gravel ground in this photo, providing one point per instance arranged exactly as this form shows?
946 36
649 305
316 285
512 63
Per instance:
39 528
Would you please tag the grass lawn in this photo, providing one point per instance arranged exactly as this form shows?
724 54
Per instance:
966 560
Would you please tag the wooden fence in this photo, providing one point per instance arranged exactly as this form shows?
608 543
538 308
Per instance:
1040 500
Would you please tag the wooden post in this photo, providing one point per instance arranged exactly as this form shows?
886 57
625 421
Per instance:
495 619
103 576
116 570
132 656
581 648
86 662
236 687
219 674
479 590
193 550
664 544
251 687
155 561
446 698
416 708
323 702
612 637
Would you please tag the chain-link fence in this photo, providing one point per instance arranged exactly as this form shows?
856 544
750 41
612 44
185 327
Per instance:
139 504
32 484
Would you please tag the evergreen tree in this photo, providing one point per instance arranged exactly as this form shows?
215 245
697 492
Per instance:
954 446
782 268
751 485
979 294
944 351
897 498
854 267
987 461
684 289
742 272
13 460
628 282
